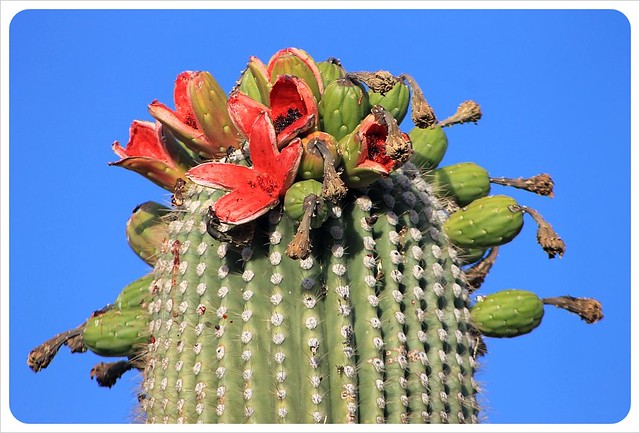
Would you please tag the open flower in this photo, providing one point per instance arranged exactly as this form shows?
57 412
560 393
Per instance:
294 61
256 189
374 149
200 119
147 153
292 108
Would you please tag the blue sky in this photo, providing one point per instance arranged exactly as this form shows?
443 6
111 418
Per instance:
554 86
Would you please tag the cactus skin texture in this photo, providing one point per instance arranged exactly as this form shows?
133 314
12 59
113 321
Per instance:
508 313
323 291
307 334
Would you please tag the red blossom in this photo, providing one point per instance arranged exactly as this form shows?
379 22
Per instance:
200 119
292 108
146 153
256 189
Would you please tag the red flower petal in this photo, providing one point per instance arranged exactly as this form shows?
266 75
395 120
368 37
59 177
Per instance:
257 189
147 155
262 145
312 75
184 112
243 111
143 141
180 129
293 108
221 175
241 206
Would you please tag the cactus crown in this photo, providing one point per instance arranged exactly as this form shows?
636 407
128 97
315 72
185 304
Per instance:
315 264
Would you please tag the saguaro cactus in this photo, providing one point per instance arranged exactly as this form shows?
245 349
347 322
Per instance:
315 265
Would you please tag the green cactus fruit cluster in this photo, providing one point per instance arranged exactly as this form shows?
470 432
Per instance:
467 256
343 106
487 221
294 201
396 101
330 70
315 265
117 332
429 146
146 230
122 328
463 182
507 313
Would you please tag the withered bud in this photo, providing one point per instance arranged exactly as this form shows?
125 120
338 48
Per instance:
107 374
76 344
589 310
541 184
379 81
333 188
397 145
548 239
422 113
300 245
40 357
468 111
478 272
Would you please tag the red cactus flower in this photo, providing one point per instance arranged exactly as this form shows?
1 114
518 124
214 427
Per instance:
146 153
374 149
200 120
294 61
292 107
256 189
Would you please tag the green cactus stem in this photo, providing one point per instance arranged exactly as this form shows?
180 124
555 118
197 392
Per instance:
322 339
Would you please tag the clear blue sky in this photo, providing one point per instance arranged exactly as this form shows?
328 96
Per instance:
555 91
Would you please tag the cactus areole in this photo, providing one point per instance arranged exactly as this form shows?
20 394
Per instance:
300 277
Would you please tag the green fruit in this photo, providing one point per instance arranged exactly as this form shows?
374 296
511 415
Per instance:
312 162
429 146
294 200
343 106
146 230
117 332
330 70
396 101
508 313
464 182
486 222
135 295
470 255
254 83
